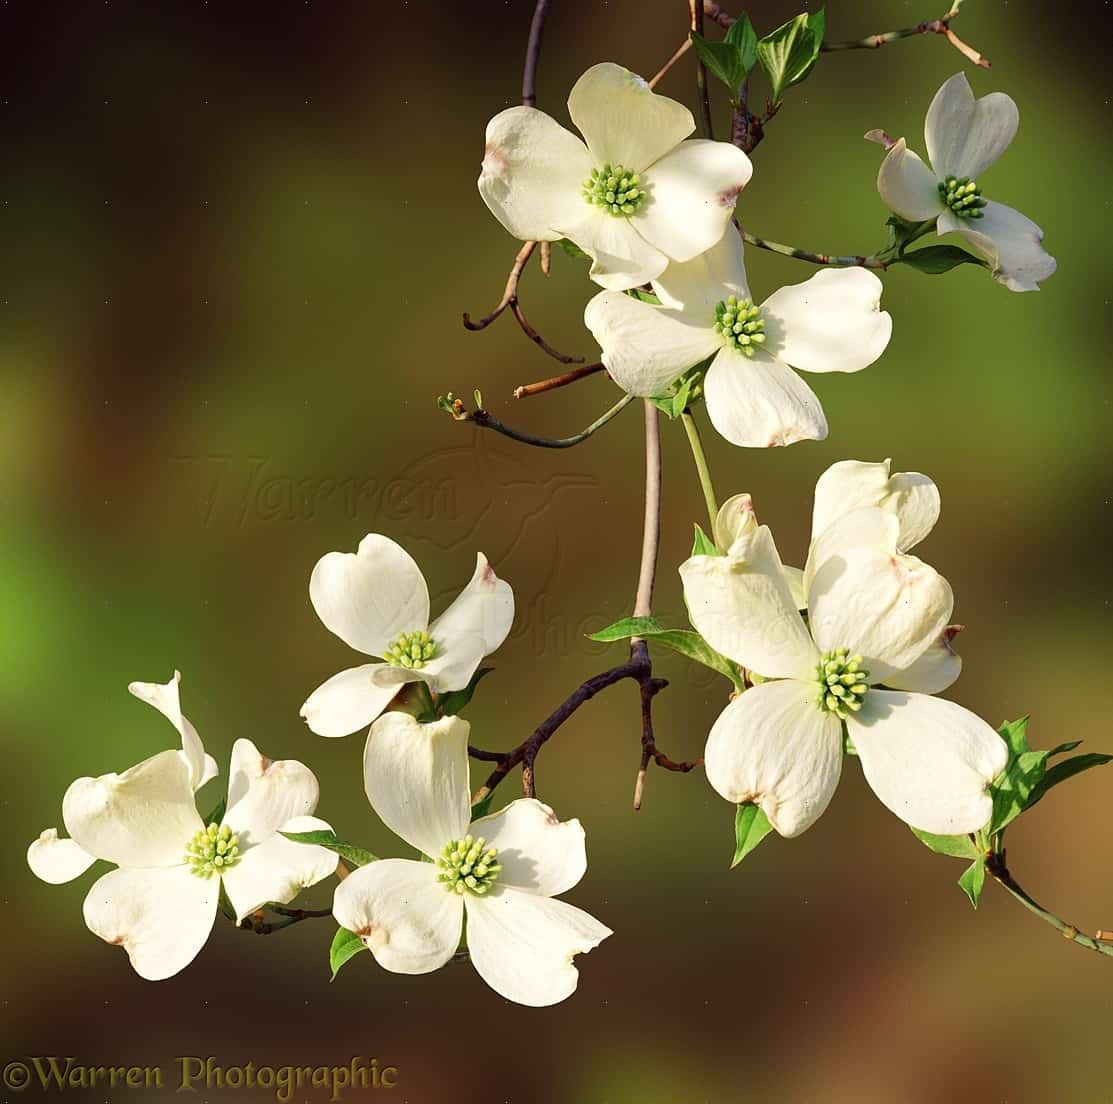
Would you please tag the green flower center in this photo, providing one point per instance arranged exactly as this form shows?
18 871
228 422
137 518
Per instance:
411 650
842 683
468 866
615 189
212 850
962 196
740 324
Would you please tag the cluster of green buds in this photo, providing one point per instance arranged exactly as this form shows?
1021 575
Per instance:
212 850
842 682
614 188
962 196
741 324
468 866
411 650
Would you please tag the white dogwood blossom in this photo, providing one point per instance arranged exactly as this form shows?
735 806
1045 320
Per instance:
161 901
377 602
872 612
501 871
830 323
633 194
964 136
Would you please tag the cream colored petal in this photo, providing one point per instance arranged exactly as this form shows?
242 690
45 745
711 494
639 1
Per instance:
347 702
907 186
484 608
275 792
935 670
56 860
1010 243
164 697
698 286
736 518
965 136
620 257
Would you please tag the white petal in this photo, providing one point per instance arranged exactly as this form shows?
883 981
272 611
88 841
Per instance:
850 484
164 697
773 746
416 778
522 945
372 596
882 605
646 347
928 760
965 136
863 527
757 402
623 120
275 792
907 186
57 860
161 917
347 702
832 322
699 285
484 608
1011 244
735 519
143 817
742 607
405 917
691 196
533 174
794 577
621 257
450 669
935 670
537 852
279 869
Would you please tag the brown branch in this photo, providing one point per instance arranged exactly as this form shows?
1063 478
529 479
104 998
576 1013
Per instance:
695 10
533 52
563 380
257 921
510 295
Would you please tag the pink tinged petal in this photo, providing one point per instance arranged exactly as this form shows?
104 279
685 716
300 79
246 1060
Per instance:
965 136
621 257
347 702
263 794
1010 243
773 746
533 174
907 186
538 852
757 402
56 860
279 869
742 606
830 323
735 519
164 697
484 608
881 605
698 286
416 778
623 120
143 817
935 670
522 945
161 917
450 669
928 760
646 347
405 917
692 191
370 597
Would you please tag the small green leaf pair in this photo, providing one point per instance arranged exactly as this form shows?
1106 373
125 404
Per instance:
732 58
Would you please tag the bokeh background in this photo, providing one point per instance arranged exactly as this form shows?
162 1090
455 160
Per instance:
237 240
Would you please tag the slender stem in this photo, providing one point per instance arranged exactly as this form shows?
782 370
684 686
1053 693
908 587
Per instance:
510 293
847 261
425 696
651 530
680 51
695 8
562 380
533 52
704 471
489 421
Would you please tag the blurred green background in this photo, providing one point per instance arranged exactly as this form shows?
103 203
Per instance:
237 241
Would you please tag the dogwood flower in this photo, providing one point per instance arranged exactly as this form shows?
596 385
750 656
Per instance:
501 871
830 323
964 137
872 612
634 197
161 901
377 602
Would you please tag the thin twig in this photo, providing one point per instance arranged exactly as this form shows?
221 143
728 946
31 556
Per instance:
509 295
486 420
681 50
257 921
533 52
651 526
563 380
940 26
695 10
536 338
833 260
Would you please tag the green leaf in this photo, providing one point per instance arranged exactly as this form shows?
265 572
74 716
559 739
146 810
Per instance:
571 248
788 54
1060 749
354 856
345 944
483 806
751 826
451 703
1060 772
644 296
959 847
973 880
702 545
1011 790
217 815
684 641
936 259
732 58
1015 734
743 37
676 403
